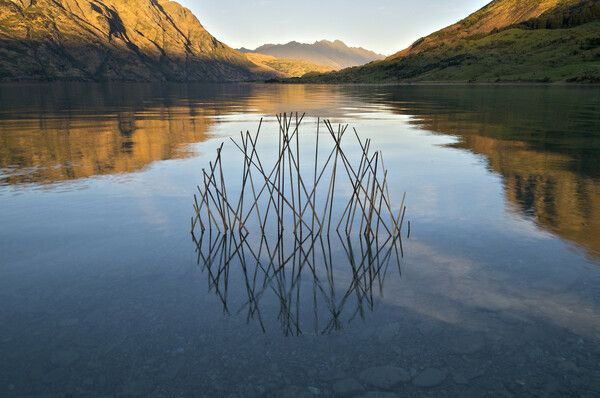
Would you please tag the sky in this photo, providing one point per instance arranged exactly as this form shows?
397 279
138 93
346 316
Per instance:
383 26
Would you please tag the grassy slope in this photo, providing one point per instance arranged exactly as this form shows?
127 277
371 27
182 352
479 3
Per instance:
497 14
505 41
511 55
288 67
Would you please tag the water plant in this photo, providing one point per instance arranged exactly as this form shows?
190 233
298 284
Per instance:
303 194
293 198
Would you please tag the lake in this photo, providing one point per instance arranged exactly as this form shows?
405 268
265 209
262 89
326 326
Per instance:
495 291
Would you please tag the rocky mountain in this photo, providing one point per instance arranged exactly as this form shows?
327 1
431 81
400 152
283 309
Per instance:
335 54
505 41
140 40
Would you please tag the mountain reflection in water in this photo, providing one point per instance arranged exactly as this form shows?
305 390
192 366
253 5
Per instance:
67 131
543 141
104 295
47 142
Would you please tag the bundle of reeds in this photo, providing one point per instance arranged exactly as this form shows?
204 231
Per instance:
293 195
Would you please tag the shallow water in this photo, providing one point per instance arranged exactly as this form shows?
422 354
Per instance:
106 293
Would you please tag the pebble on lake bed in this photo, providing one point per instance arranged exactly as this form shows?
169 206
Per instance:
347 387
466 344
379 394
429 378
384 377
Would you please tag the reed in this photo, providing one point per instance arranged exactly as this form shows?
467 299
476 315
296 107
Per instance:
283 195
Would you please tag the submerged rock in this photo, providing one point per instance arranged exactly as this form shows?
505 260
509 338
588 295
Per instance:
465 344
347 387
429 328
332 375
64 358
388 332
295 392
429 378
384 377
460 379
379 394
139 387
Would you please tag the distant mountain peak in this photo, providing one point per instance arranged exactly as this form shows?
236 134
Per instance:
335 54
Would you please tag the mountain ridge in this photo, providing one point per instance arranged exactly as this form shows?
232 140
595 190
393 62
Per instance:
140 40
335 54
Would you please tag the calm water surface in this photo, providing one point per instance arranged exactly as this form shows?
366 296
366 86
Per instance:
105 293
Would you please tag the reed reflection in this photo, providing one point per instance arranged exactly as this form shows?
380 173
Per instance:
336 279
290 192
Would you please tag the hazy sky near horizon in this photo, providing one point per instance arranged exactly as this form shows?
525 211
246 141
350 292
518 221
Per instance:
384 26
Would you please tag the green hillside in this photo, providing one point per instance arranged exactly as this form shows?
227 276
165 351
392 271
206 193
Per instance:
495 15
561 44
565 15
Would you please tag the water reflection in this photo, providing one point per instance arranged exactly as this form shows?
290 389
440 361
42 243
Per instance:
67 131
543 141
300 273
104 303
70 148
47 142
540 186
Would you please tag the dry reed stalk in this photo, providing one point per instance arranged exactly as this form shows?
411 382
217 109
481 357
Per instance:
285 187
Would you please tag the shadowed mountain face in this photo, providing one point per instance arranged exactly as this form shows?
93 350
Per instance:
143 40
335 54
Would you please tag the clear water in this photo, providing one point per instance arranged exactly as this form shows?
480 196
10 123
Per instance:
105 293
